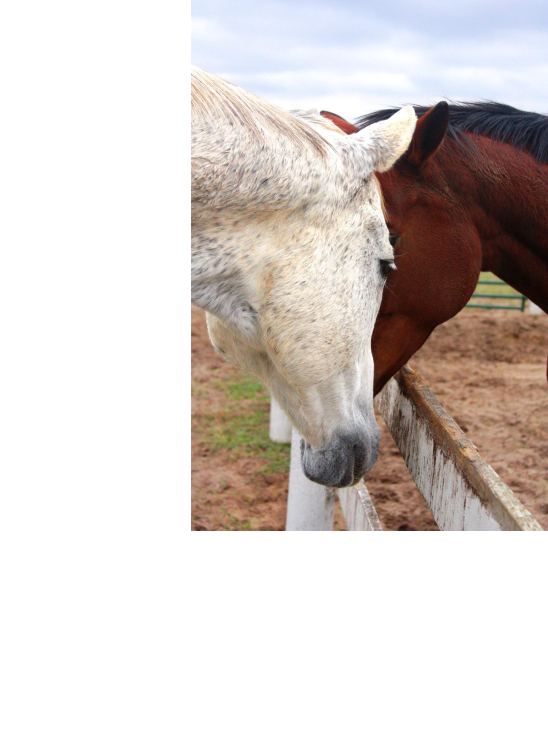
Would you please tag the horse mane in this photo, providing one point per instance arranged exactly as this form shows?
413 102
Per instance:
217 100
312 116
523 130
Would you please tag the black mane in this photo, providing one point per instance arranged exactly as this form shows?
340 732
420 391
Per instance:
526 131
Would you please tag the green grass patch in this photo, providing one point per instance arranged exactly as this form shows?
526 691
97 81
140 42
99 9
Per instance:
233 523
245 387
242 426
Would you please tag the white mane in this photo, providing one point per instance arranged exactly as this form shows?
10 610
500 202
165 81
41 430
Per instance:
213 97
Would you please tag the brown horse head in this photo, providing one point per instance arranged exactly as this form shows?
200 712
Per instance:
455 205
437 251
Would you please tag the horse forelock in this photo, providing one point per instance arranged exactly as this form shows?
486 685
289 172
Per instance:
213 97
381 196
314 118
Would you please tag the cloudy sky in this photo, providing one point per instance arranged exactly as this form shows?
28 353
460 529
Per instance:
355 57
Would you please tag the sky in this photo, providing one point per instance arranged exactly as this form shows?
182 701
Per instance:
356 57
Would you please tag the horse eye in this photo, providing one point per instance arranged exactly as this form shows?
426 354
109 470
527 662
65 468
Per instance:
393 240
386 265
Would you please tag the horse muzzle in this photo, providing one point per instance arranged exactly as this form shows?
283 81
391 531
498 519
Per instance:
345 460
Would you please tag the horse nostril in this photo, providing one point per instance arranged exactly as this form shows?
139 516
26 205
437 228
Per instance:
360 459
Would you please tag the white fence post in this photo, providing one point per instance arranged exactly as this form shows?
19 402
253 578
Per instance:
310 506
280 425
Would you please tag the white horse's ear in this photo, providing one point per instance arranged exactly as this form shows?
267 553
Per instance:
388 139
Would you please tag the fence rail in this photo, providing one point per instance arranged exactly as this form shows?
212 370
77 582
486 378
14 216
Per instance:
461 490
497 296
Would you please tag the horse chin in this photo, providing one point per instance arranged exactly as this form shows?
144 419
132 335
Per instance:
344 461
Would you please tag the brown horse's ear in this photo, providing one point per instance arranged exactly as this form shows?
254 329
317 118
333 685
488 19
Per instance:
343 124
429 134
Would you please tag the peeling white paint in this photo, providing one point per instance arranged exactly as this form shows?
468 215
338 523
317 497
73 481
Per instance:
358 509
462 491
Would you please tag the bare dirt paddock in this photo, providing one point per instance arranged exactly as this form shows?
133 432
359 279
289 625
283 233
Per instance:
488 368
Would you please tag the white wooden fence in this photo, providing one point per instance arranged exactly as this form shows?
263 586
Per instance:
461 490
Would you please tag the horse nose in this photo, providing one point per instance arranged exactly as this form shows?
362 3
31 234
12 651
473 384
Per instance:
345 460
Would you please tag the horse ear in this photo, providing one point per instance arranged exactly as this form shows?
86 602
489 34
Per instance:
388 139
429 134
343 124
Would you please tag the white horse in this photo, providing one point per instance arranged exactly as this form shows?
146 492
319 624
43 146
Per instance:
290 253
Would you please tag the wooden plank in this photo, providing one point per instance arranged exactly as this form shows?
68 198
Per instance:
358 509
463 492
310 506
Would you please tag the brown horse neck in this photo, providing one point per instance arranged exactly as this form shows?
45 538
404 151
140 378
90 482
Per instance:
507 197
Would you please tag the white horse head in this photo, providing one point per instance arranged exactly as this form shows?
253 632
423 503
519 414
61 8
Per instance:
290 252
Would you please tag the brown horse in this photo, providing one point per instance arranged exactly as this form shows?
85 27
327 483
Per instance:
470 195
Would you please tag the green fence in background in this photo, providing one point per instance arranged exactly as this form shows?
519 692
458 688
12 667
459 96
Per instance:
497 291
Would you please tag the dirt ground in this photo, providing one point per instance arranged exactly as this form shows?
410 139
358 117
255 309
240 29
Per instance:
488 368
